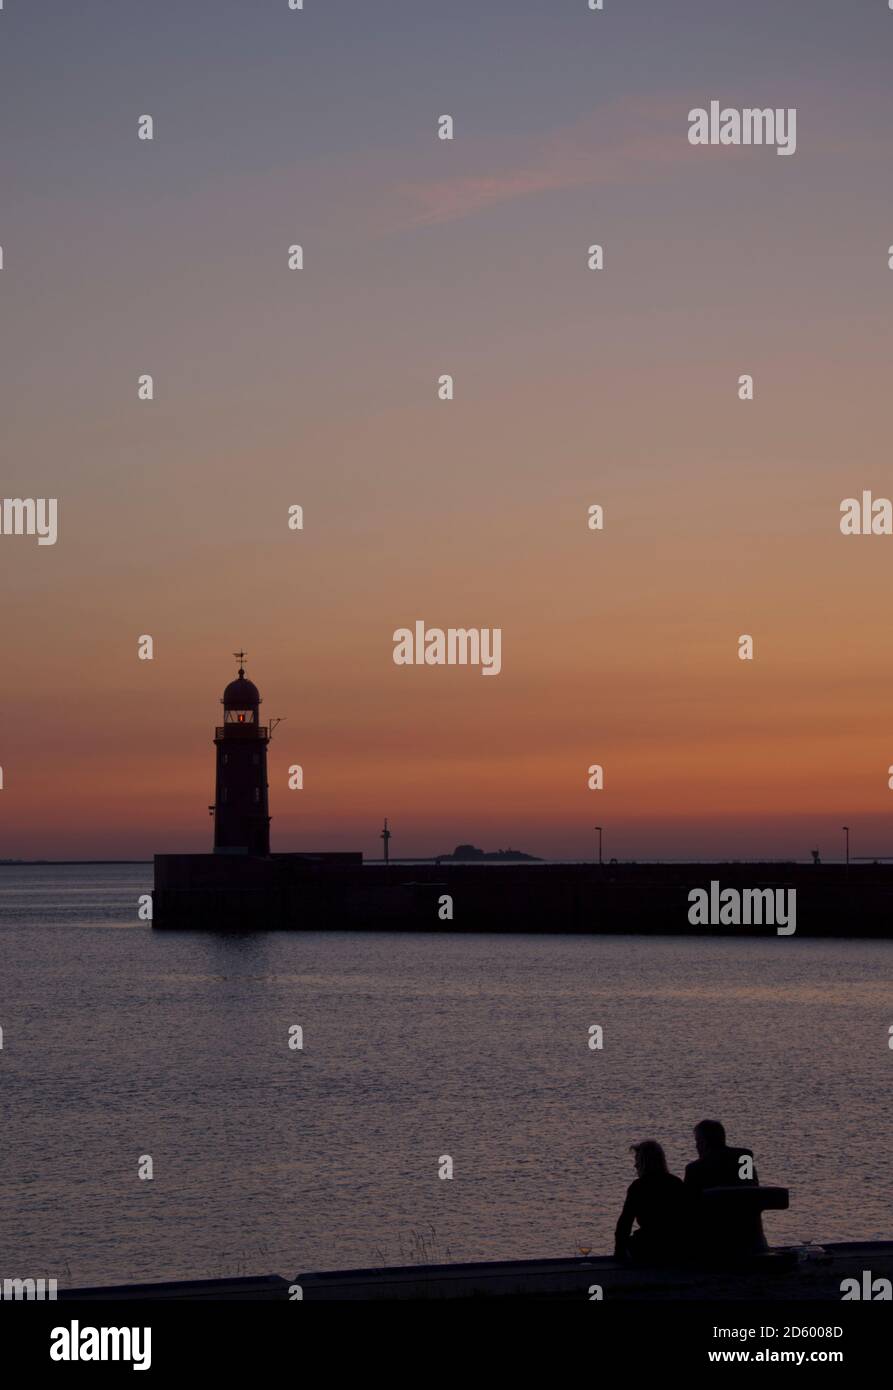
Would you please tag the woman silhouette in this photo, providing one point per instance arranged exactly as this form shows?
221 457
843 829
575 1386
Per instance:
657 1201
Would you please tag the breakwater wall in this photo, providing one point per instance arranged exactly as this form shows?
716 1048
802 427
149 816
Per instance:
337 892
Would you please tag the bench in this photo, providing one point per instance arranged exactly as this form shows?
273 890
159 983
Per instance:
732 1216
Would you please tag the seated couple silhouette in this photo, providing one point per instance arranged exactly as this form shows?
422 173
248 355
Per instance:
707 1215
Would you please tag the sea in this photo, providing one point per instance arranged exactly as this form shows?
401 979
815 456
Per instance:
201 1105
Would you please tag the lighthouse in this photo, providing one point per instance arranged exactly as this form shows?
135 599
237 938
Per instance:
241 803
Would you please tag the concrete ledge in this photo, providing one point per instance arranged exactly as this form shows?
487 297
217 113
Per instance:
264 1287
779 1275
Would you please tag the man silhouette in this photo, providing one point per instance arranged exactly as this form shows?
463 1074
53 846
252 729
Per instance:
724 1222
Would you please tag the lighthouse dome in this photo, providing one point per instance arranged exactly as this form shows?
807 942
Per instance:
241 694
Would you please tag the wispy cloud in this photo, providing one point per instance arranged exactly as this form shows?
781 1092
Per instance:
637 139
626 141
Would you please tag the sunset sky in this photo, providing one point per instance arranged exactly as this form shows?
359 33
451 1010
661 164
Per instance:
573 387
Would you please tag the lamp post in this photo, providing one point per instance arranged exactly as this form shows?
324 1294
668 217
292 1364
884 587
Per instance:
599 829
846 831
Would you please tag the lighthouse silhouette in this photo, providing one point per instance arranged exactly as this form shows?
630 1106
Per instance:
241 804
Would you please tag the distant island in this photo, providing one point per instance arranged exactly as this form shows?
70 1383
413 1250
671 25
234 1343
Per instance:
467 853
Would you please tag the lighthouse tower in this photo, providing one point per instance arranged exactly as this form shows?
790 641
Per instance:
241 803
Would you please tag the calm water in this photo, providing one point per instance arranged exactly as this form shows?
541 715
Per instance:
119 1042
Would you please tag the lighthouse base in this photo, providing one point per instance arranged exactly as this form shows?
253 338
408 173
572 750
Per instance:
248 892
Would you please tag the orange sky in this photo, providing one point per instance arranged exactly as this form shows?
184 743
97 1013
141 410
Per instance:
572 387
